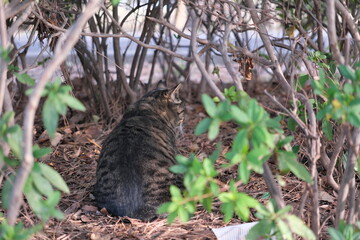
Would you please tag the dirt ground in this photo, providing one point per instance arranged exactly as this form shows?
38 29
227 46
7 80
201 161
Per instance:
75 155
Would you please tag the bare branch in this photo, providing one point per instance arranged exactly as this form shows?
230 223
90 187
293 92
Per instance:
272 186
331 14
15 26
15 8
348 175
354 30
64 45
3 63
205 74
225 57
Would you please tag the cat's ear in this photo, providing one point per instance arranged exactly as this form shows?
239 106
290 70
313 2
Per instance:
174 94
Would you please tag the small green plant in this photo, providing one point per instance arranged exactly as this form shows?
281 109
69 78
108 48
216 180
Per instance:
345 231
44 185
258 138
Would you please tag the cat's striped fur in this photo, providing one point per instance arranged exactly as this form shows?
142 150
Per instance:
132 177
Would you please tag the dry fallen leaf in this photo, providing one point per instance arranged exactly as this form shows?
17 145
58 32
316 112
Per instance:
89 208
55 141
324 196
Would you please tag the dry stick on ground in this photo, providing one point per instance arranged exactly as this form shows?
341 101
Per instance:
225 57
193 43
314 141
64 45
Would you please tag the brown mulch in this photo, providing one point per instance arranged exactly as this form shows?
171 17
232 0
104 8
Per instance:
75 157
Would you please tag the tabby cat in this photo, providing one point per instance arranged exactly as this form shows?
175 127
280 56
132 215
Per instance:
132 177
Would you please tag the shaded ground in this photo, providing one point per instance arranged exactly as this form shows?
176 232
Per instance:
75 157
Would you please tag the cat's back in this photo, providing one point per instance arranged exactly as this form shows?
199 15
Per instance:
132 173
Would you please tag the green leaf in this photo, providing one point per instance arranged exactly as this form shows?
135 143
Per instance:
216 154
54 177
298 226
199 184
347 72
241 143
175 193
182 159
72 102
244 172
354 119
262 230
228 210
256 159
6 191
302 79
202 126
163 208
348 88
57 214
284 229
34 198
299 170
239 115
291 124
179 169
42 184
209 105
214 188
335 234
53 199
207 203
261 135
183 214
50 118
214 129
40 152
25 79
5 54
209 168
60 107
15 140
190 207
327 129
6 118
171 217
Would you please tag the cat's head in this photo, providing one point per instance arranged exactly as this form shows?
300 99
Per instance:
167 103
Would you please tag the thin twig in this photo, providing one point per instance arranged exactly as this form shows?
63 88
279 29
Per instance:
205 74
3 63
123 35
331 14
348 175
272 186
353 28
225 57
